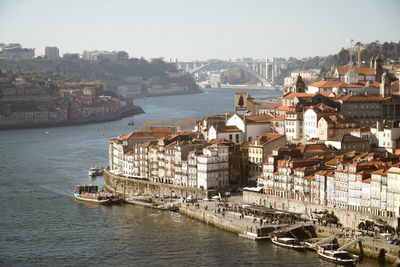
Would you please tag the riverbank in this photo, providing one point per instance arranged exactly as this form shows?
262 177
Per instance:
226 216
376 248
41 124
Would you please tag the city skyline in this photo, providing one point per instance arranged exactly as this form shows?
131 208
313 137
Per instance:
199 30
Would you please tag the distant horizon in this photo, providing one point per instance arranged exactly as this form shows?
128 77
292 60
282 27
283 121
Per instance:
194 60
191 30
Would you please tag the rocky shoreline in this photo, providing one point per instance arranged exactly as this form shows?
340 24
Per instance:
30 124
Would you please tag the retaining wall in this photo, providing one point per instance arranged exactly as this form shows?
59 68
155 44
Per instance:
348 218
128 186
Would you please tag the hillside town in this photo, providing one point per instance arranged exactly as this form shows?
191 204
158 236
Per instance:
334 143
125 75
39 99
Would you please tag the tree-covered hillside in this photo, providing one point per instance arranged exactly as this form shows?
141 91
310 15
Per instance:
113 73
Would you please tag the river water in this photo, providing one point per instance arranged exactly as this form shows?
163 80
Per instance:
42 225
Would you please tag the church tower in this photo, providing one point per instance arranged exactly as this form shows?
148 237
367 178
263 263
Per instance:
372 63
378 66
385 88
299 85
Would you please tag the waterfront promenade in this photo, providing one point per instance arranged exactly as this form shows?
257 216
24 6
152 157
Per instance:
236 216
375 246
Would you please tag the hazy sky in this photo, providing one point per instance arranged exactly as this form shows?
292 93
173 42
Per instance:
201 29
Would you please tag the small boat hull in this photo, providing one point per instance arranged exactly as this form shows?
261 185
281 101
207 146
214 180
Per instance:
336 260
116 200
95 171
292 246
93 200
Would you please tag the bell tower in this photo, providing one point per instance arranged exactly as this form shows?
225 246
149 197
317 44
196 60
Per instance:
299 85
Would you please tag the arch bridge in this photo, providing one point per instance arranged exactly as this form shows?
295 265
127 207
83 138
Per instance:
249 70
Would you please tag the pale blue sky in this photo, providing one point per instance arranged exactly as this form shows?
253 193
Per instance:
202 29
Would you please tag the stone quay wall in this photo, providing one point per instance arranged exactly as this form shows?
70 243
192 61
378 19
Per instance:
348 218
128 186
212 219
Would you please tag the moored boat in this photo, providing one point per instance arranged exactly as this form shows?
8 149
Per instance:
95 171
116 199
131 123
91 194
288 242
337 256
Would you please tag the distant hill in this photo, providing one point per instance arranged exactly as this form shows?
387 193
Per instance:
110 72
236 75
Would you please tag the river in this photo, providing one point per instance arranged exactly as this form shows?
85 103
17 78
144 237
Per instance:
42 225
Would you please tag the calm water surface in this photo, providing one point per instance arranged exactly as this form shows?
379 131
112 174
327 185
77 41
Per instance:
42 225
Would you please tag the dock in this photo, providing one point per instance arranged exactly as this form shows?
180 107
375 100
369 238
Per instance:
253 236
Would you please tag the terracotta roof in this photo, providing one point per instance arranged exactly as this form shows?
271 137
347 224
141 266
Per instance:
140 135
292 95
322 108
327 84
337 118
327 94
362 129
266 138
128 153
331 174
258 118
283 108
165 130
367 181
362 71
304 148
218 145
227 129
271 105
219 141
332 84
363 98
279 118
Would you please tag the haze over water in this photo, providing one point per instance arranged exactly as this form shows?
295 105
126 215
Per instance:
42 225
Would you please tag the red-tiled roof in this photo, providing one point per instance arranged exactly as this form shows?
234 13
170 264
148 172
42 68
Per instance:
363 129
362 71
226 129
283 108
363 98
367 181
337 118
332 84
279 118
271 105
304 148
292 95
258 118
